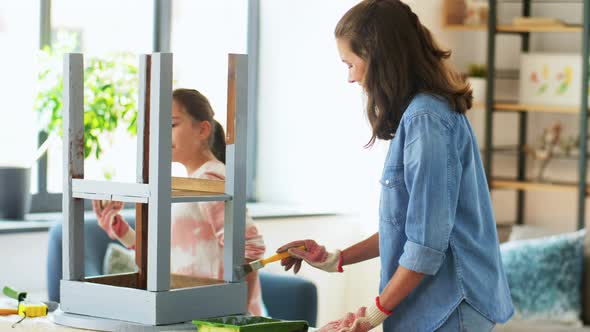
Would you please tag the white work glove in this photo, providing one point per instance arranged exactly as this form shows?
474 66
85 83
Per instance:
365 319
313 254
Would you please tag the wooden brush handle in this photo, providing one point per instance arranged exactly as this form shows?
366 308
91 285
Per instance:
4 312
280 256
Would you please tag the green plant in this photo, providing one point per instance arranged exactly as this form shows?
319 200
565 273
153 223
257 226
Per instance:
110 91
475 70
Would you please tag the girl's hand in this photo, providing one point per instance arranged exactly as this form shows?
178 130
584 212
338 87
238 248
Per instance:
365 319
102 207
314 254
113 223
105 214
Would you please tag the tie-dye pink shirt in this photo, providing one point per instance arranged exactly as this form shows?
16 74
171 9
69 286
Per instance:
197 237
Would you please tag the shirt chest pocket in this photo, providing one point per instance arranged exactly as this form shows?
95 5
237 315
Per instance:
394 197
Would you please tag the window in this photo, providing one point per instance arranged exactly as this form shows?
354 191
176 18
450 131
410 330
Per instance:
200 33
19 28
103 28
203 33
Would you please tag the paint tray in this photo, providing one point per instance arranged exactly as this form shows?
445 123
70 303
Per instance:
249 324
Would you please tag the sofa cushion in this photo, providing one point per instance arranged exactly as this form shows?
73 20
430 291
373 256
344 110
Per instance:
118 259
545 277
521 232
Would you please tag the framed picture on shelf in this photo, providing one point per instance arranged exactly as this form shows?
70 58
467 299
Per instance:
550 79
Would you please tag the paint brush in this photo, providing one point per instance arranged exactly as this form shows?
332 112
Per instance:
256 265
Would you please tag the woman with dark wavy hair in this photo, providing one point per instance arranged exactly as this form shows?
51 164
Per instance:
441 268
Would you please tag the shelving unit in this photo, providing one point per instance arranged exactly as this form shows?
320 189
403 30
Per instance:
152 296
521 184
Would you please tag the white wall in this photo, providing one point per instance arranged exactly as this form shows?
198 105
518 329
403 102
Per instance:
19 29
311 123
23 260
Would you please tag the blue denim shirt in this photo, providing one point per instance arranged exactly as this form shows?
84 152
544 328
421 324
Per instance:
436 218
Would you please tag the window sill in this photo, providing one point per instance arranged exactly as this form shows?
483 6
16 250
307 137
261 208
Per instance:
41 222
25 226
268 210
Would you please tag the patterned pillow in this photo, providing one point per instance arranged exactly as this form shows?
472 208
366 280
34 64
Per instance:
545 277
118 259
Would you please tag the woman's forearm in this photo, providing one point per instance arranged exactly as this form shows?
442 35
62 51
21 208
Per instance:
362 251
400 285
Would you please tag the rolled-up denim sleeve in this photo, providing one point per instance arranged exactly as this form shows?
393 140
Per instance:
427 175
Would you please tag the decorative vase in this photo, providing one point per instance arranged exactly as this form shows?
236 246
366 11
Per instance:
478 86
15 192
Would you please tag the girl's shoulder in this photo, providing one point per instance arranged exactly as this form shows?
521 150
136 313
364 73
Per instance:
213 170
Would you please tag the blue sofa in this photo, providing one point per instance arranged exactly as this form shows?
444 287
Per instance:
286 297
